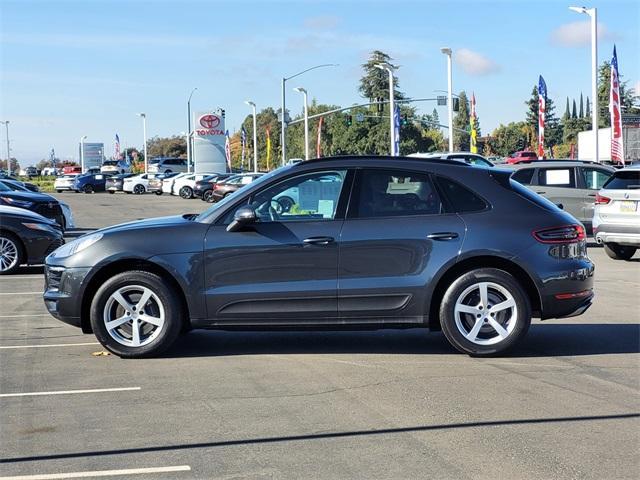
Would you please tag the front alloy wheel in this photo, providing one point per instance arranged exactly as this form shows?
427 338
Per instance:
10 253
485 312
186 192
139 189
136 314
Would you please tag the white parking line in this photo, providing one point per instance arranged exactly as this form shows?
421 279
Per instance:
22 293
26 315
68 392
9 347
101 473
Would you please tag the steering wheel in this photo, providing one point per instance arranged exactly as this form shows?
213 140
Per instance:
274 210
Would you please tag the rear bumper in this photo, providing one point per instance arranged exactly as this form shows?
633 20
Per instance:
620 234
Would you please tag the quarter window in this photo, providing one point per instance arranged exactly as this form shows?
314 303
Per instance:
594 179
391 193
459 197
524 176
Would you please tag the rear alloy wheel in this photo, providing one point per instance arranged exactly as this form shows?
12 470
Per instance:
186 192
139 189
485 312
158 192
11 254
87 189
207 196
619 252
136 314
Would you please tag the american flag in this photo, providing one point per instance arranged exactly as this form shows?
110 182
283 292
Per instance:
617 148
227 149
542 105
116 148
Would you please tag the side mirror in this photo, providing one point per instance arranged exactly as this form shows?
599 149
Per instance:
244 216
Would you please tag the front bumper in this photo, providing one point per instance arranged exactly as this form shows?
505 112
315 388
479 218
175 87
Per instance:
64 288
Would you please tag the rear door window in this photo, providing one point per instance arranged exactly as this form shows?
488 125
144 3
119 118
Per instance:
594 178
393 193
557 177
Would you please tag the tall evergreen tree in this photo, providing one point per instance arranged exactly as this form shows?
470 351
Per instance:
574 113
435 118
588 109
581 115
461 138
567 113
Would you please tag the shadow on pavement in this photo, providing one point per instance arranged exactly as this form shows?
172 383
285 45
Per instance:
30 270
542 340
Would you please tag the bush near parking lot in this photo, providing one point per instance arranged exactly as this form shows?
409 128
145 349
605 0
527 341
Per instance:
44 183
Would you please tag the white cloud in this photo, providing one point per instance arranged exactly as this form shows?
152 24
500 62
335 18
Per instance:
578 34
474 63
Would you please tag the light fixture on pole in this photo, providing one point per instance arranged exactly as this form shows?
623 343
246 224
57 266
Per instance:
82 139
144 135
447 52
283 124
593 13
6 124
388 69
255 135
189 147
306 120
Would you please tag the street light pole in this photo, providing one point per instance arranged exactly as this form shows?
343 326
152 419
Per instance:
144 135
82 139
306 121
392 110
255 135
189 131
593 13
6 124
447 52
284 107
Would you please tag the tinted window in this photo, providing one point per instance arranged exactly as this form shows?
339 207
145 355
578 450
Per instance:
390 193
556 177
594 178
523 176
533 197
623 180
460 198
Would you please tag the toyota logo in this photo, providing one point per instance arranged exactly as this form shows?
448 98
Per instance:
209 121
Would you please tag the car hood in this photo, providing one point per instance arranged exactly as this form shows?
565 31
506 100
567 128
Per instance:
27 214
29 196
150 222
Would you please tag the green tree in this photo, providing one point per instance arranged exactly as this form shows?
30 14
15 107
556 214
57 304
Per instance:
461 138
588 109
574 113
510 138
628 98
175 146
567 114
553 128
581 114
374 84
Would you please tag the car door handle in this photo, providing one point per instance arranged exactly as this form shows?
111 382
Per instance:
442 236
540 193
318 240
591 195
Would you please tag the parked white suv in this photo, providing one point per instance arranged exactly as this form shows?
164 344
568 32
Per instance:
183 186
616 218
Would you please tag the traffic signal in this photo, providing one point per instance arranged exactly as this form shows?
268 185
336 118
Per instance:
403 120
348 120
456 104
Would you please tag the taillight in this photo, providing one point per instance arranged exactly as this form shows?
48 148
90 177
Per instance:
601 199
564 234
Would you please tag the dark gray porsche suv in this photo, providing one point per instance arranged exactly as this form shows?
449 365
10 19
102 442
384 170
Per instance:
335 243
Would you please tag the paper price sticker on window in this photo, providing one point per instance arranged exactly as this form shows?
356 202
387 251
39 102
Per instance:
558 177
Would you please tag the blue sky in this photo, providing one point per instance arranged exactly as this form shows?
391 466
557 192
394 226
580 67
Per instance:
86 67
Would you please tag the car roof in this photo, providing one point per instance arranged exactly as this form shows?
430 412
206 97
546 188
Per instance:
382 160
558 162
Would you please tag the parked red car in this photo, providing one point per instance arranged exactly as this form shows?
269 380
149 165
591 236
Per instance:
521 156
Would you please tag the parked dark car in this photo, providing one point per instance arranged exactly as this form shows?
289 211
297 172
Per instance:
114 183
384 242
26 238
45 205
90 182
570 183
204 188
155 183
11 181
232 184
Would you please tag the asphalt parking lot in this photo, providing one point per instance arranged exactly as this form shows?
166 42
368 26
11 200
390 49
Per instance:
392 404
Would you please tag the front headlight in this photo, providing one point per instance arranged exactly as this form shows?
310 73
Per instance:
77 245
17 203
40 226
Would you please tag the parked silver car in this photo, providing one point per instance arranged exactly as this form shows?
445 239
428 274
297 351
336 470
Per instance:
570 183
167 165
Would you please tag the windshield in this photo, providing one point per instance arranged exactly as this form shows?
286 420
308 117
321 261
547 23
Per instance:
623 180
221 205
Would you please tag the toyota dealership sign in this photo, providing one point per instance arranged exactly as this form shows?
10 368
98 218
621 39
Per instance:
208 142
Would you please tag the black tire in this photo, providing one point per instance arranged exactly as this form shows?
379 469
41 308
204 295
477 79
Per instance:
206 196
128 193
516 331
158 192
111 192
186 192
166 294
619 252
8 239
139 189
88 189
59 191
